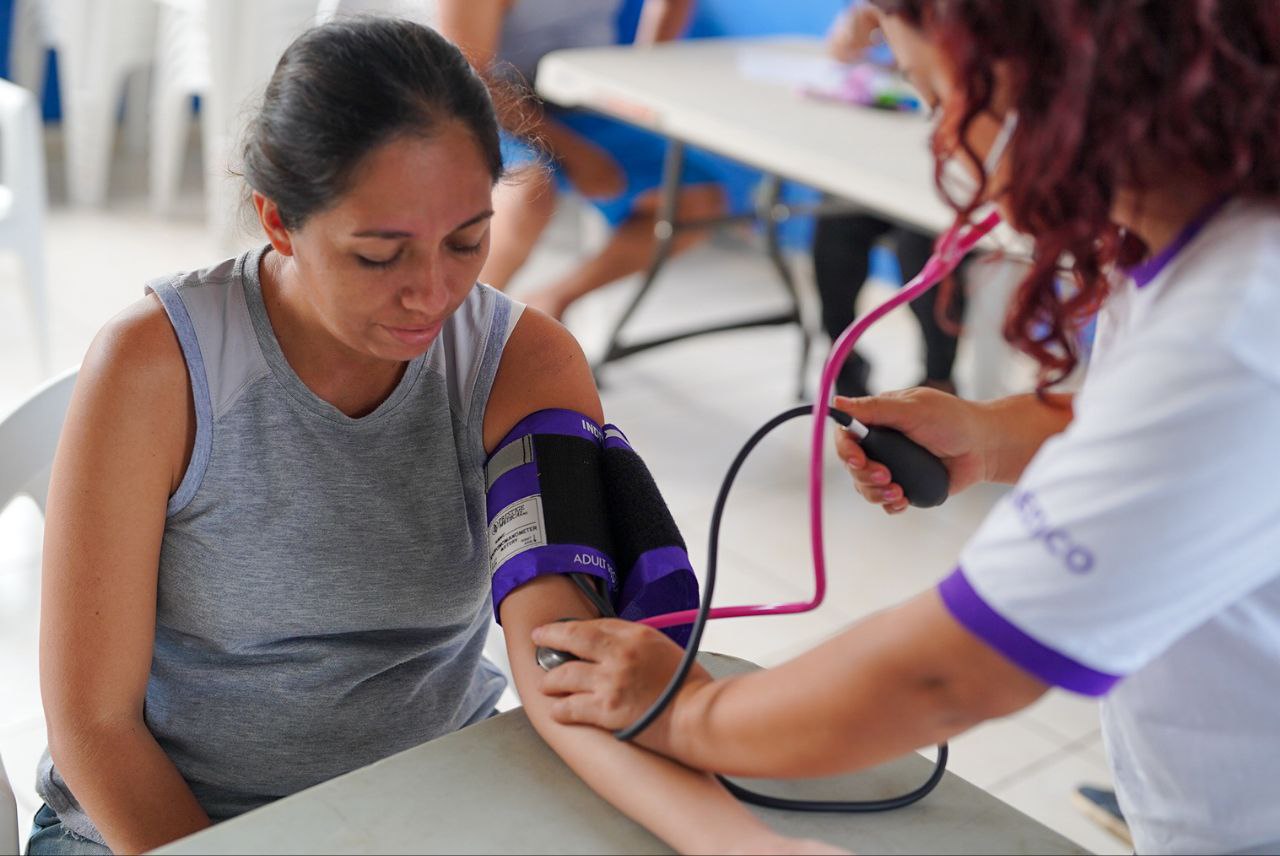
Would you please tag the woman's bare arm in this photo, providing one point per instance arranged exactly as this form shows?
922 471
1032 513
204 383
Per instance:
122 452
543 367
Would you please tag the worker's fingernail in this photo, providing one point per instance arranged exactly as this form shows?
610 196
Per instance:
853 464
880 477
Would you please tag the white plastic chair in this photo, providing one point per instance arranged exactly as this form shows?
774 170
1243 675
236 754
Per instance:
23 199
30 38
181 72
225 53
9 840
8 817
28 439
100 44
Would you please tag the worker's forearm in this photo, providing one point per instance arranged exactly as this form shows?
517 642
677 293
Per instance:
800 720
127 785
1017 427
897 681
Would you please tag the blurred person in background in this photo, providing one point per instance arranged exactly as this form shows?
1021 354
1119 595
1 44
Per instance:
616 166
842 245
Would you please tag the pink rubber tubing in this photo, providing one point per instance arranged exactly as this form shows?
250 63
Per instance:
954 245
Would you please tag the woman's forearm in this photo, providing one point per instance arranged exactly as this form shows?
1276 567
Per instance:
1018 426
127 785
688 809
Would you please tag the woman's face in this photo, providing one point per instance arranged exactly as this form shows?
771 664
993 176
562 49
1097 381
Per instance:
383 268
924 65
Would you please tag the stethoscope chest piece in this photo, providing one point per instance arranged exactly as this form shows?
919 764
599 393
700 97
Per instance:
549 658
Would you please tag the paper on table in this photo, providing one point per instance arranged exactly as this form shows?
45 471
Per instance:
789 69
867 84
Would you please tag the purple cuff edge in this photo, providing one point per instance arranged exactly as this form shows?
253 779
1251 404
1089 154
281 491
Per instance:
553 420
616 442
651 566
1050 666
518 483
540 561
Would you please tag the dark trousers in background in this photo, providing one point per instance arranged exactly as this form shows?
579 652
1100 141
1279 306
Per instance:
841 250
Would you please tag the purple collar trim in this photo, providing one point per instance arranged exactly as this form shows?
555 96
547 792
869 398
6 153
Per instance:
1145 272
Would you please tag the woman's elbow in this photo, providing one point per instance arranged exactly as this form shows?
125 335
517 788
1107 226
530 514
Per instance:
78 732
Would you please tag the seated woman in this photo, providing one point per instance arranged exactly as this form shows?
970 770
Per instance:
266 561
618 167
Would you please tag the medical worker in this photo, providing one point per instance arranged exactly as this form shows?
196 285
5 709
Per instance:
1137 557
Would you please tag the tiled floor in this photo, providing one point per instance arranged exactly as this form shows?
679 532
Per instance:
687 407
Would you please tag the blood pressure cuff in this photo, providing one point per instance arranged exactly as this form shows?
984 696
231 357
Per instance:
657 575
566 496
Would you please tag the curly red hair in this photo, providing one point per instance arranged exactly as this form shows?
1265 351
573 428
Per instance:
1112 95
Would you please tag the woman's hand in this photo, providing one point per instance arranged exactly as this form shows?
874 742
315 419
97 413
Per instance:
622 667
853 32
947 426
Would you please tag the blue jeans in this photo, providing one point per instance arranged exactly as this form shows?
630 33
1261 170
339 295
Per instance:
48 838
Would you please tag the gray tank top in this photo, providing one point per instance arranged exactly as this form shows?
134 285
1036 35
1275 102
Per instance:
534 28
324 589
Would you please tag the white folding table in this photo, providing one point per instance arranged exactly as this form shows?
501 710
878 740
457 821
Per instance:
497 788
705 93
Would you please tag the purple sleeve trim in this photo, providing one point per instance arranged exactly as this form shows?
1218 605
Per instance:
549 559
554 421
973 613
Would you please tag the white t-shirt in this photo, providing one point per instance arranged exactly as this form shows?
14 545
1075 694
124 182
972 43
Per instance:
1139 555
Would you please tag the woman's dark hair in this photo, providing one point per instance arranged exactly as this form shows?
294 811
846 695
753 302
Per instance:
344 88
1106 90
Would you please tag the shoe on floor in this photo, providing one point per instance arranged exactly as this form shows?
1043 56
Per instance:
851 382
1100 806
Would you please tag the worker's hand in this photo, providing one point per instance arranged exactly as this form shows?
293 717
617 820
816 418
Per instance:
620 670
947 426
853 32
590 169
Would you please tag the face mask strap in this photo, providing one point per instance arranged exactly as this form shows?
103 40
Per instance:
957 182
